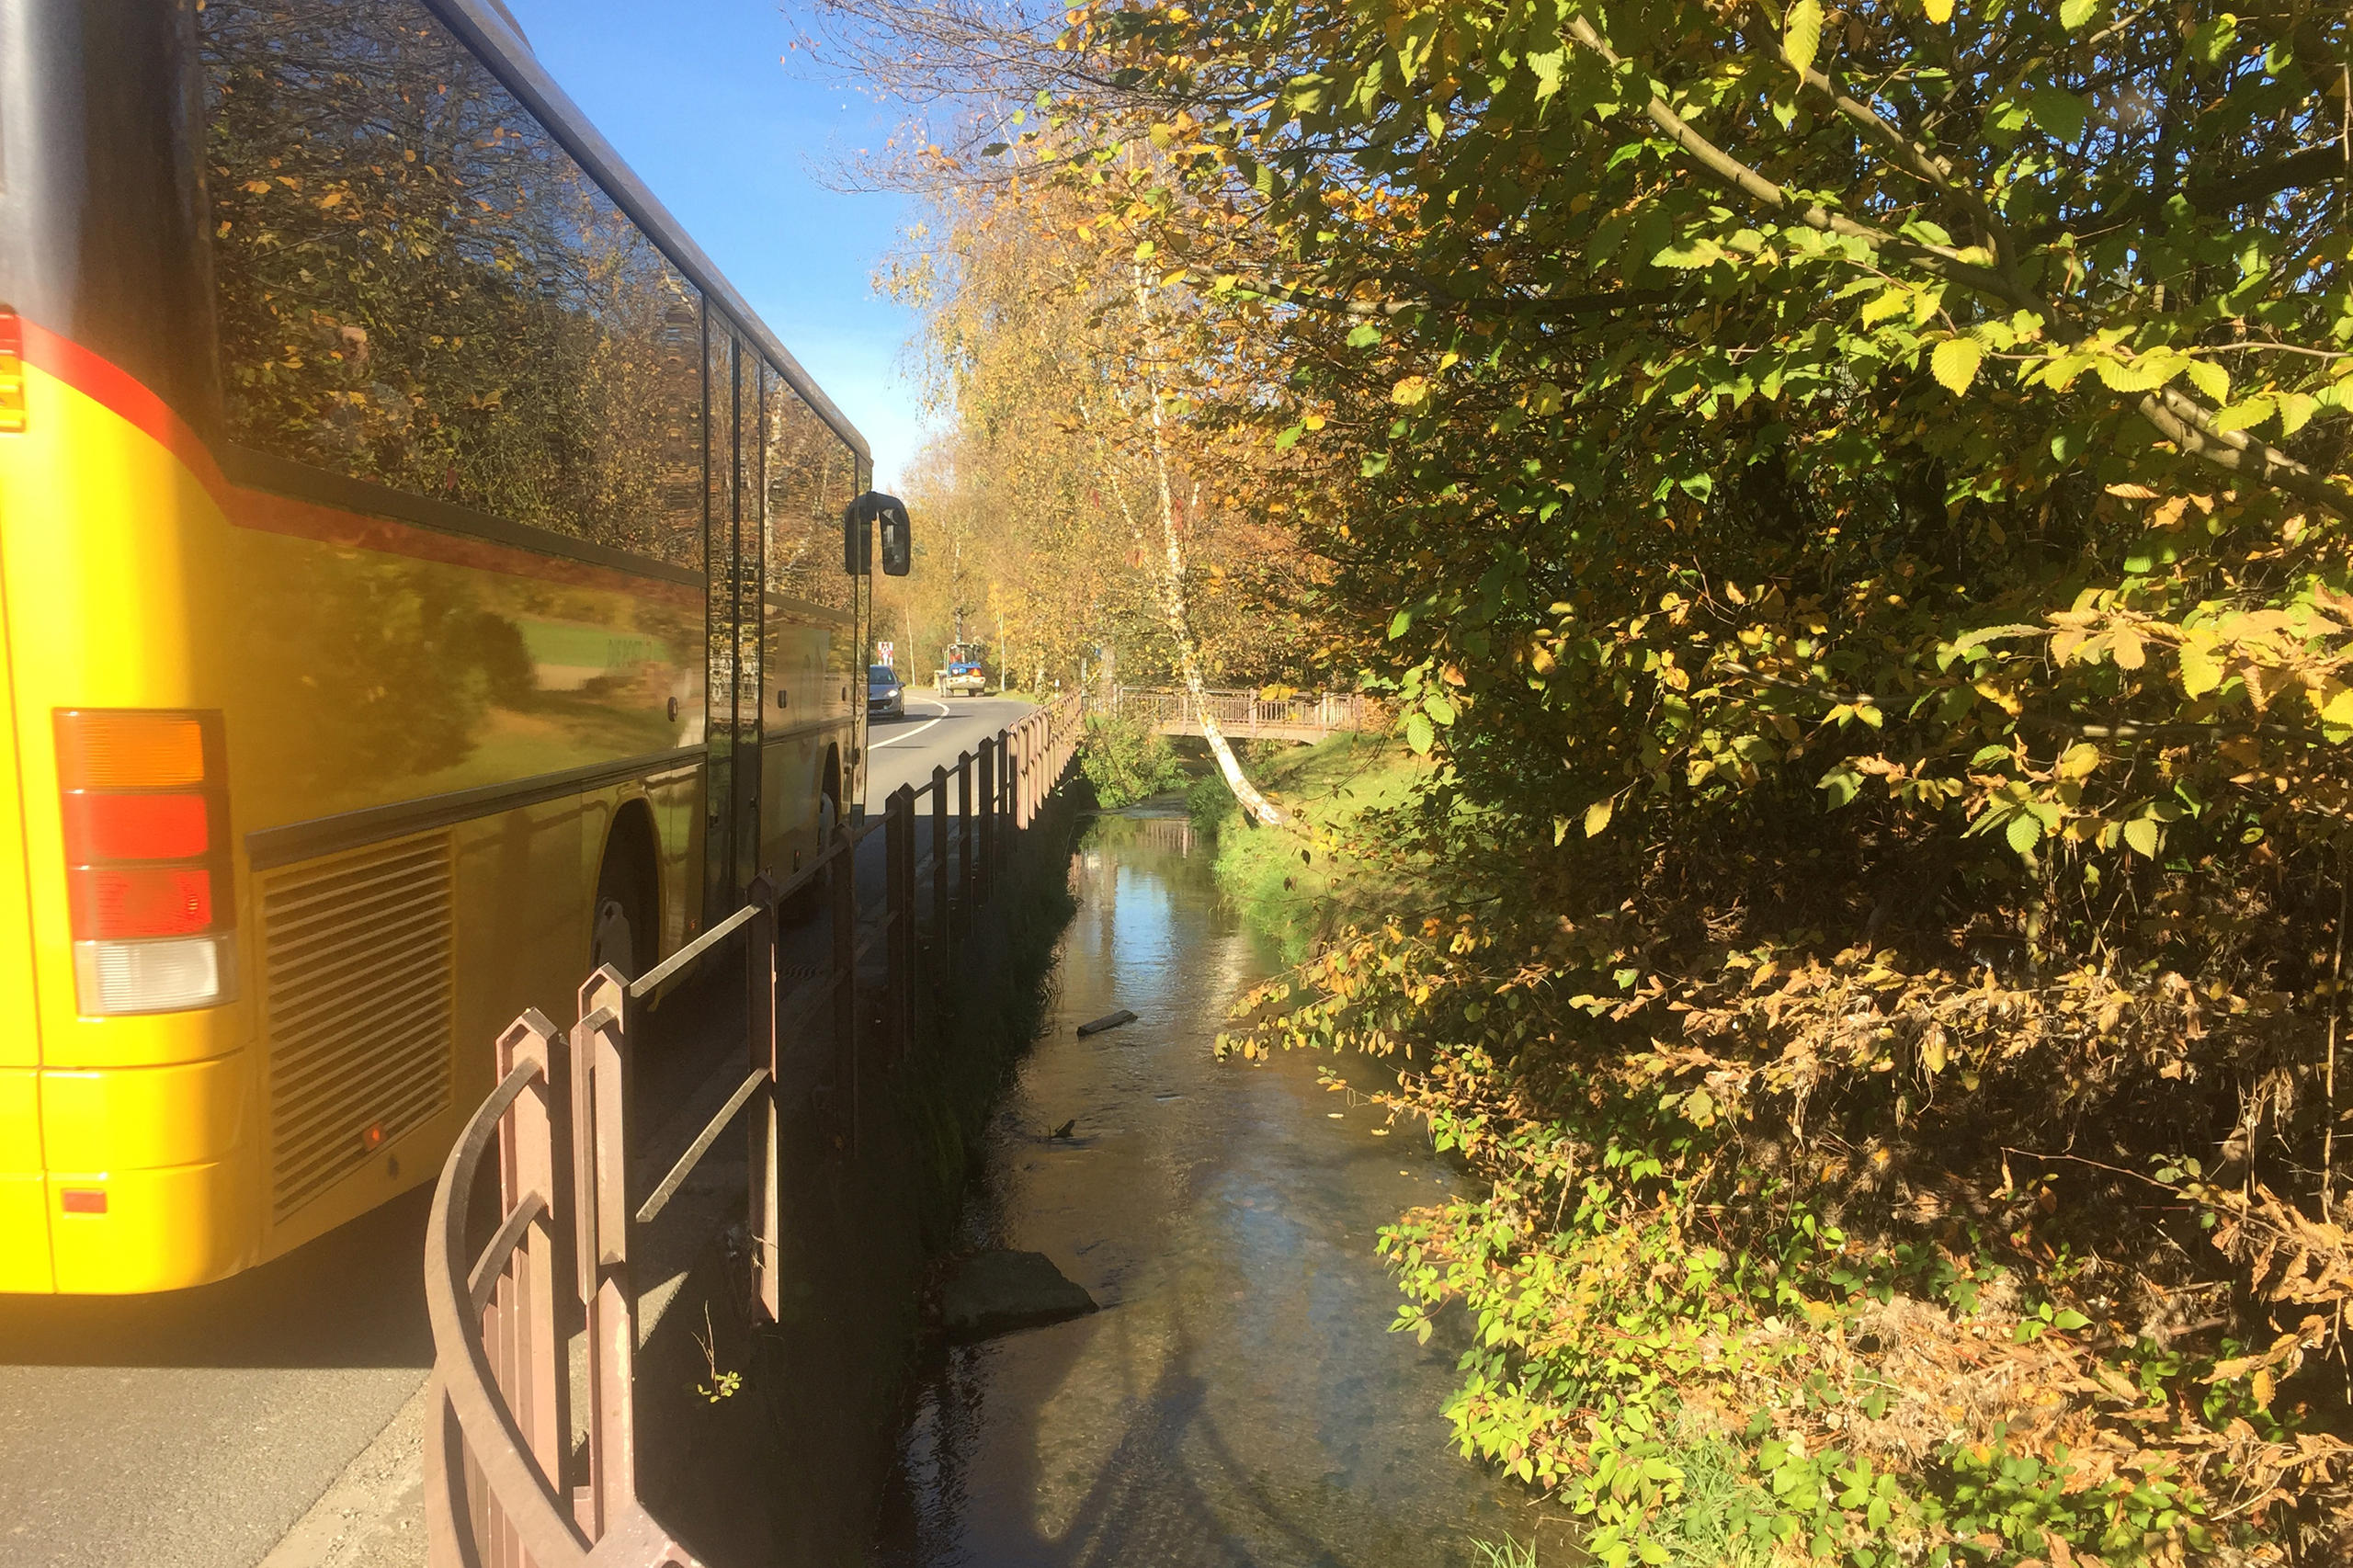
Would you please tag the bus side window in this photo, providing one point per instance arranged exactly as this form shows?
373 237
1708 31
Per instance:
537 360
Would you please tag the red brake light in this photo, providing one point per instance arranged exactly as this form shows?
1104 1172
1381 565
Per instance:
145 810
113 903
135 828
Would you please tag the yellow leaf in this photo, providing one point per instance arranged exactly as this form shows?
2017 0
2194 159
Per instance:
2336 705
1954 363
2200 671
1940 11
1314 422
1801 34
2079 760
1411 392
1597 817
2127 649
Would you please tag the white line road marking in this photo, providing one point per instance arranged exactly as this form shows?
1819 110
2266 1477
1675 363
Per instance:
910 734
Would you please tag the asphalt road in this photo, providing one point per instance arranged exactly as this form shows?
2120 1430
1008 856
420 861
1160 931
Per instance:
274 1419
904 750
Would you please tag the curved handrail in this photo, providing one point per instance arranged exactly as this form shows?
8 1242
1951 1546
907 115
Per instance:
493 1440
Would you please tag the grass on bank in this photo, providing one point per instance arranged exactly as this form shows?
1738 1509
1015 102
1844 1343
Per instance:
1298 886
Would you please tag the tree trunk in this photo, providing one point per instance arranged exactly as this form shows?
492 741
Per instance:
1171 583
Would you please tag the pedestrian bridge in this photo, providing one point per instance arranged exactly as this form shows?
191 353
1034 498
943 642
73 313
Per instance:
1247 715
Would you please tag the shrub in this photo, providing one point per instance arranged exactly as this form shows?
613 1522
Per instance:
1126 760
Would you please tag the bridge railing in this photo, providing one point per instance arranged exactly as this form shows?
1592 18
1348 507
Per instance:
1246 714
504 1488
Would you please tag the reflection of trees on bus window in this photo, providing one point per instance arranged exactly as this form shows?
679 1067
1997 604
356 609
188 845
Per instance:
810 473
418 285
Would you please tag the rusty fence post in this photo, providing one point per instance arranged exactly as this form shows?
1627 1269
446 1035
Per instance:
600 1052
844 875
1001 803
521 1328
940 938
968 885
760 1130
985 857
1032 766
1017 779
899 918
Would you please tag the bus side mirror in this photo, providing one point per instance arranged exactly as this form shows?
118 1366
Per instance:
898 540
857 535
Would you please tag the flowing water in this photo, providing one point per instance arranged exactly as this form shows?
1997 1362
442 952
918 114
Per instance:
1238 1400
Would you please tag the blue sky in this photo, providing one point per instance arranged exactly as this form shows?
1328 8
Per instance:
694 97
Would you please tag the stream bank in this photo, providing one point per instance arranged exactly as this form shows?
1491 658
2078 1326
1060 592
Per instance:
1238 1401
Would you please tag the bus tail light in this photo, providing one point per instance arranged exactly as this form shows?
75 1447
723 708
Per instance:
12 373
146 821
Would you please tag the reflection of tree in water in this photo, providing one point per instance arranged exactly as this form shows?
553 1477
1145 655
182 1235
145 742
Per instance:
419 287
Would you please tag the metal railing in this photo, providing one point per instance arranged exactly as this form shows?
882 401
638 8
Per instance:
504 1488
1246 715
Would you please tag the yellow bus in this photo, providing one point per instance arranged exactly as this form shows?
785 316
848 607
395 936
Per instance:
420 578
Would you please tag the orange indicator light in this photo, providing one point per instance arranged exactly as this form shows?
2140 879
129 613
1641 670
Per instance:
121 750
12 373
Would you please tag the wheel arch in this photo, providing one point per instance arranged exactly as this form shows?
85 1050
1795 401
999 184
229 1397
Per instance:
633 845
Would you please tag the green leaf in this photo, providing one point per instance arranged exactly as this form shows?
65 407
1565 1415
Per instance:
2070 1320
1547 68
1801 34
2214 36
2210 379
1891 303
2074 14
2141 834
2024 831
1597 817
1419 734
2244 416
2147 373
2060 112
1954 363
1841 782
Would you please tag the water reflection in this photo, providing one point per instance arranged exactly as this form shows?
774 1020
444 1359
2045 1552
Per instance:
1238 1402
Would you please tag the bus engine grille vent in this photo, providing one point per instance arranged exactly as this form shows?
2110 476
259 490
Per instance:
359 956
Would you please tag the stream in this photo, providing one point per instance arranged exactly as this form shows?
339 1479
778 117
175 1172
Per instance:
1238 1399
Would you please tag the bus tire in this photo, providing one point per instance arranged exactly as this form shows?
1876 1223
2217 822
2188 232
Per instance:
625 921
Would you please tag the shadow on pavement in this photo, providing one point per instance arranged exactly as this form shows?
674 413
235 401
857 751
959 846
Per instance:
353 1298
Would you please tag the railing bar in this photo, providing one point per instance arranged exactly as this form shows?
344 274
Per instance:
493 1261
660 1197
492 1435
691 951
